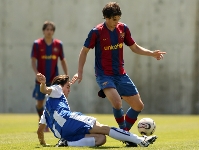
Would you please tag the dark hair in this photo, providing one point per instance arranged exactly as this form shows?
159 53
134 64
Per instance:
111 9
60 80
46 23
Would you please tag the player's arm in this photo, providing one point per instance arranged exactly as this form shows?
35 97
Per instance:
63 60
43 88
34 56
34 64
40 134
40 131
143 51
64 66
82 60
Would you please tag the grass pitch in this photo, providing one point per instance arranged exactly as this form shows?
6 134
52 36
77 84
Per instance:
175 132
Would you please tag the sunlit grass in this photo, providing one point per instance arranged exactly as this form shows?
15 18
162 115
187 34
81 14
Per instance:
175 132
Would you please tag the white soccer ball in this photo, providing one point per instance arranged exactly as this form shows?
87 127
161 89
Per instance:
146 126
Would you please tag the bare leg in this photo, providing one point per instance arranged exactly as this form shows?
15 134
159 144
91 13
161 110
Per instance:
136 106
116 103
39 107
135 102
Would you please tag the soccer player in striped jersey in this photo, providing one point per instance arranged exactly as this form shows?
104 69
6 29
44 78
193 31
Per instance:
108 39
44 56
75 128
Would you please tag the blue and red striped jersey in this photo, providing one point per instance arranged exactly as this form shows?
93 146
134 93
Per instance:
109 48
47 57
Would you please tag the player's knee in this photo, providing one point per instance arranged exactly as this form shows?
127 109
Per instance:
40 104
100 140
117 104
141 107
137 106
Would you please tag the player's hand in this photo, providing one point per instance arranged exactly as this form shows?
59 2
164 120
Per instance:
79 77
158 54
76 77
41 78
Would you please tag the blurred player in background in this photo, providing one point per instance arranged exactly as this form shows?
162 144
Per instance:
44 56
108 38
75 128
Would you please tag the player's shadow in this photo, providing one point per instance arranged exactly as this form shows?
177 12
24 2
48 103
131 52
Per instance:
101 147
107 147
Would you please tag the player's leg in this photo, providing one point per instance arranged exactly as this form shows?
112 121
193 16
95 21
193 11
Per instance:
76 132
39 107
89 140
106 83
100 139
40 100
129 93
78 125
122 135
136 106
116 102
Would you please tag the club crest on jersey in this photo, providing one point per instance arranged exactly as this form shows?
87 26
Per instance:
122 35
41 49
105 83
55 49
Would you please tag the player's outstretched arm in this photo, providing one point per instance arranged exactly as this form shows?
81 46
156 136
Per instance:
82 60
34 64
40 134
143 51
43 88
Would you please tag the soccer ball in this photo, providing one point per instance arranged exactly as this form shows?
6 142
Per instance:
146 126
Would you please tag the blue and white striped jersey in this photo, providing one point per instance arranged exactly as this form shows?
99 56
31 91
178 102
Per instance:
57 111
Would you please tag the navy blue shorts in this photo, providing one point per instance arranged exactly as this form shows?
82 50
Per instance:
37 94
77 126
123 84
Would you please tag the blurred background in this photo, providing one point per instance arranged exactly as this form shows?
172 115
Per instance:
169 86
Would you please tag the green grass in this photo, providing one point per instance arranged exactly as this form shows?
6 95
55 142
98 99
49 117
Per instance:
175 132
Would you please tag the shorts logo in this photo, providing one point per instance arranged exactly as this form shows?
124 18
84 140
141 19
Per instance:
105 83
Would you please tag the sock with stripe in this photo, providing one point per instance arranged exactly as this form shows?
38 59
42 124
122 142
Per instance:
119 117
131 117
40 111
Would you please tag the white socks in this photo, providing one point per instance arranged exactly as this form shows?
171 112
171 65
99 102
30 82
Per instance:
87 141
122 135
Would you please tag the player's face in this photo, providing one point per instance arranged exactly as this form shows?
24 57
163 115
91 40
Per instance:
48 32
66 89
112 22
